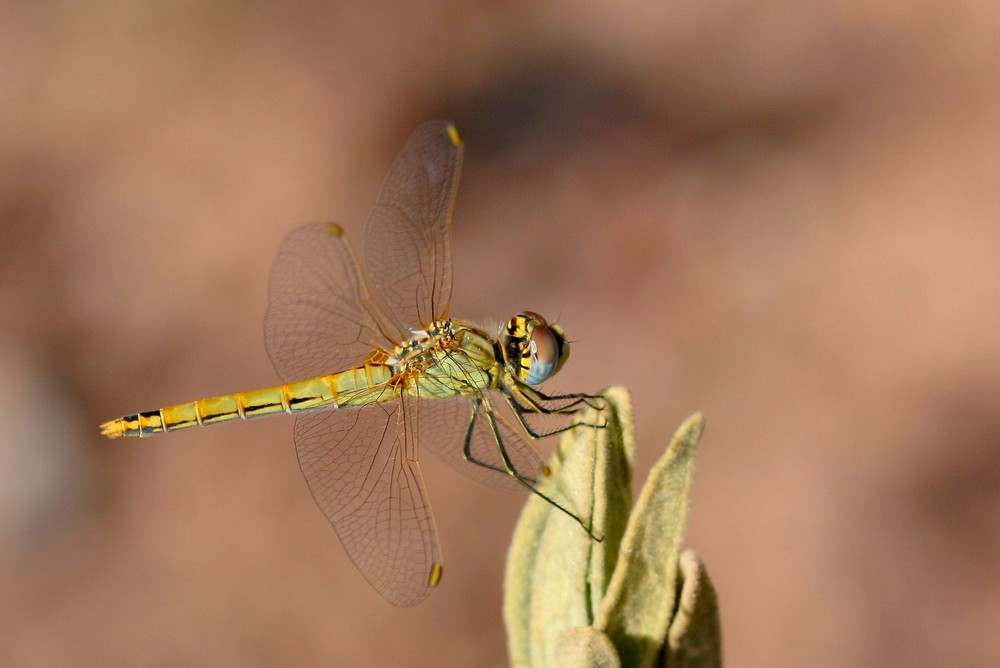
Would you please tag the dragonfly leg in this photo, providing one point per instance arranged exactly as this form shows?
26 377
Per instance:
534 403
536 400
467 447
508 466
520 411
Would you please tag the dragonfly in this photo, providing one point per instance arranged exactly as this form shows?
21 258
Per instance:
374 369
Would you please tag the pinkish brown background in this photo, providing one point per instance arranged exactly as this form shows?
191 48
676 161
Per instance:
785 214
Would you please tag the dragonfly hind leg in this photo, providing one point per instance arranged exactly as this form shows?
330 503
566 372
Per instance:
508 464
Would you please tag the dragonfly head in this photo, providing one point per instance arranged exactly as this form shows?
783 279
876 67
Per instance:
533 349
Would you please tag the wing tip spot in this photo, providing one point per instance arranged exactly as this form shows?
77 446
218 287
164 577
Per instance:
334 229
453 135
435 575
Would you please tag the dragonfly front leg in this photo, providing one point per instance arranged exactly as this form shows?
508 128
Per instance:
533 405
536 400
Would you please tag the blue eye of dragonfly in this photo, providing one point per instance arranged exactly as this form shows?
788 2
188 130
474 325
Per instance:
534 349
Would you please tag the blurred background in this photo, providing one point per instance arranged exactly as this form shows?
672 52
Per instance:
784 214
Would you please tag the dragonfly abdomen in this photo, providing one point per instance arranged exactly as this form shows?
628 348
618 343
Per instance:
354 387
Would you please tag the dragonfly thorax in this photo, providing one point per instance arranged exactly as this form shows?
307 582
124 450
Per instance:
533 349
448 359
439 334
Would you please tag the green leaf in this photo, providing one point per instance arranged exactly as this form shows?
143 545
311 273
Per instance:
641 598
585 647
556 573
695 637
571 600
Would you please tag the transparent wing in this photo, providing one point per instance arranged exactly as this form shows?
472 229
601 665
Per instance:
362 469
319 318
443 428
408 234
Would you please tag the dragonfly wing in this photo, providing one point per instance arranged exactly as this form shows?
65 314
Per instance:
443 427
408 234
319 316
361 466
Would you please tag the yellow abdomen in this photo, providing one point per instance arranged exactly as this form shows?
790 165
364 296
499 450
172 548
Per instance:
355 387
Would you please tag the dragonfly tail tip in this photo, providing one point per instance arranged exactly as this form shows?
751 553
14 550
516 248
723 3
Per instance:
112 429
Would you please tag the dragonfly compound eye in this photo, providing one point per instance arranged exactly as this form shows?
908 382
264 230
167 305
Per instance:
535 349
